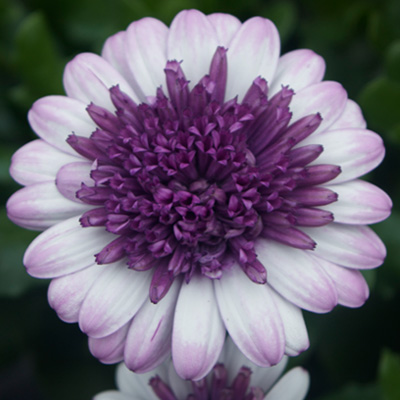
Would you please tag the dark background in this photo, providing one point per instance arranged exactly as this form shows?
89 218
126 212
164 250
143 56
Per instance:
354 354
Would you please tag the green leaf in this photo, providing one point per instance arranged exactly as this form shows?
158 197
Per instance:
392 61
356 392
389 375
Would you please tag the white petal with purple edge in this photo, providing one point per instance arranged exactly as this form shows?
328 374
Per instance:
351 246
359 203
40 206
226 27
149 338
181 387
356 151
351 286
113 299
146 54
66 293
196 342
292 386
298 69
296 276
192 40
115 395
54 118
351 117
64 248
293 323
327 98
70 178
251 317
37 161
110 349
88 78
253 51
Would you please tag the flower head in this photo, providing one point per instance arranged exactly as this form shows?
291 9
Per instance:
233 378
194 182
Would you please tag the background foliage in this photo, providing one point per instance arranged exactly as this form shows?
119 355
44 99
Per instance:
355 354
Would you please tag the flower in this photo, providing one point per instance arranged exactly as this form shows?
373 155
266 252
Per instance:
234 377
194 182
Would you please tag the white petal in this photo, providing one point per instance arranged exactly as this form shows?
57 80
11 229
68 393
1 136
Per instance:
54 118
351 246
114 299
298 69
356 151
88 78
193 40
115 395
253 51
327 98
64 248
251 317
149 337
66 294
226 26
37 161
296 276
292 386
359 202
198 332
40 206
351 117
181 387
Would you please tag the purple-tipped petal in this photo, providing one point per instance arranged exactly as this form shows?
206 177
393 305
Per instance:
298 69
113 300
193 40
256 40
63 249
359 203
54 118
37 161
351 246
251 317
326 98
351 117
149 338
88 78
225 26
196 342
40 206
297 277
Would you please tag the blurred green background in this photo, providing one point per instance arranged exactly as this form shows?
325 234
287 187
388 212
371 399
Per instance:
355 354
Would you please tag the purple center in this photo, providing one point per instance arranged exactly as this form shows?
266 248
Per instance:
187 183
217 389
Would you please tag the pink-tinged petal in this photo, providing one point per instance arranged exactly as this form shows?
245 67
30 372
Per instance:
192 40
257 40
351 246
64 248
113 395
296 276
293 323
37 161
351 286
292 386
359 203
146 55
66 294
54 118
298 69
113 299
70 178
40 206
196 341
351 117
251 317
88 78
225 26
327 98
356 151
149 338
181 387
110 349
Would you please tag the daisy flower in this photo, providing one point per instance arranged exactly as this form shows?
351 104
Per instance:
194 182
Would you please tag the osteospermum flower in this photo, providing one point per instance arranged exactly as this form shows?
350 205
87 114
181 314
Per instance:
194 182
233 378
